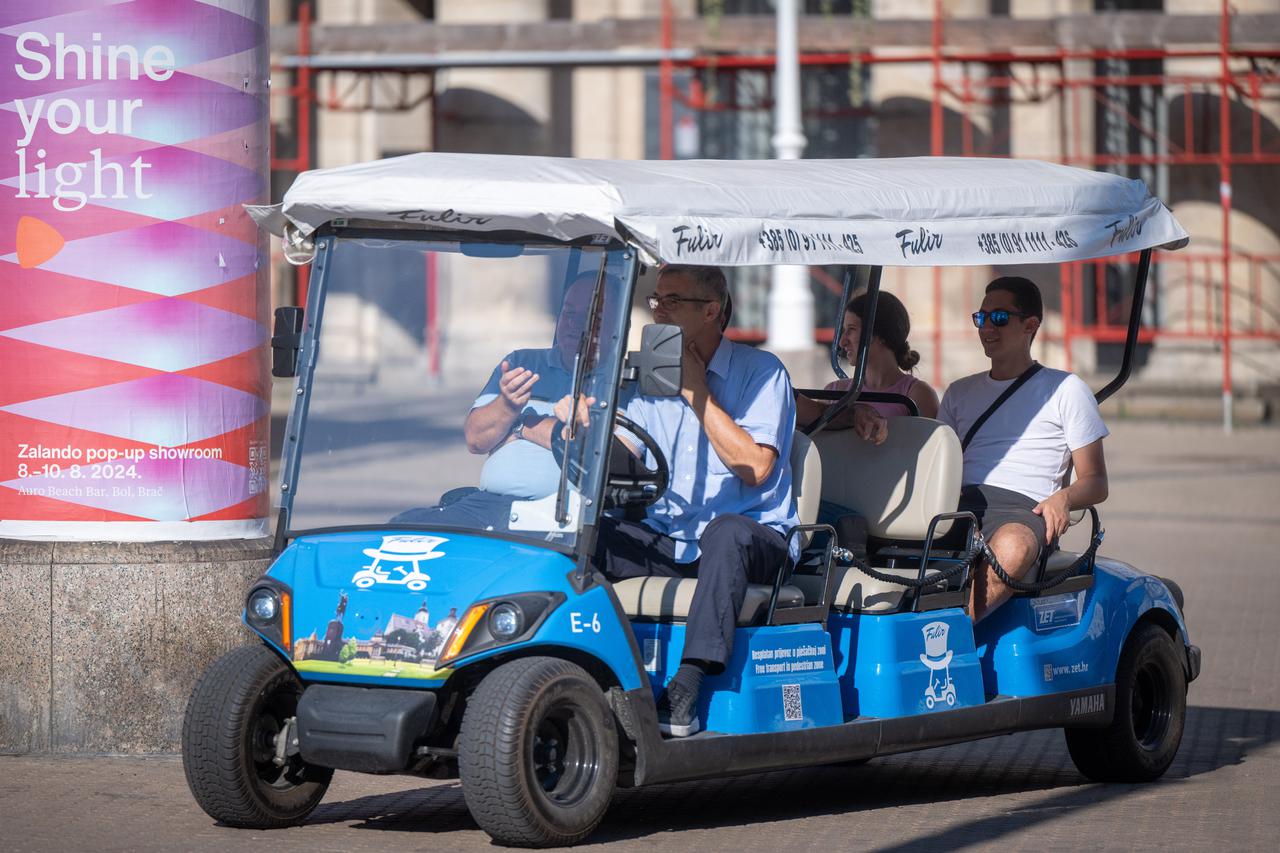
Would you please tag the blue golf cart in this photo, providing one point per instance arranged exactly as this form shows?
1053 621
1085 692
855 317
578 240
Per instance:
433 608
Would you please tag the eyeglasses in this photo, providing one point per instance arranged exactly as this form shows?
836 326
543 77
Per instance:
999 317
670 301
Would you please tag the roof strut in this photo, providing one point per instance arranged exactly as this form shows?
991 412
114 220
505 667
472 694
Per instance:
864 343
1131 336
849 275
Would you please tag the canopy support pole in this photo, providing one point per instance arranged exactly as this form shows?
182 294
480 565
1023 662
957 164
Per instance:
860 367
1131 336
849 276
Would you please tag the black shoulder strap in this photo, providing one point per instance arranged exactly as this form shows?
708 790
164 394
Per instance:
999 401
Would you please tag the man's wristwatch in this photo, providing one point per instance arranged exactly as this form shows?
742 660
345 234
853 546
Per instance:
527 419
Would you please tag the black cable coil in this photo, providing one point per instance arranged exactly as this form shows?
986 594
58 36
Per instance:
1085 559
918 583
978 546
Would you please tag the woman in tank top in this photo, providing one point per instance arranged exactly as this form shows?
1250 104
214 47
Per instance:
889 362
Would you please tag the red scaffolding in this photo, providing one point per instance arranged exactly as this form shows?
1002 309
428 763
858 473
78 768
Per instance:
966 81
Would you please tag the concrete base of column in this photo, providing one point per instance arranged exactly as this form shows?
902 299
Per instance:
104 641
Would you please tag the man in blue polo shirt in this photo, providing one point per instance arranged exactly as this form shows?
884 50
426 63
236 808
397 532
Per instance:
512 420
725 515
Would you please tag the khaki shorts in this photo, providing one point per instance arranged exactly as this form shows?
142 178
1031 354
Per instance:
995 507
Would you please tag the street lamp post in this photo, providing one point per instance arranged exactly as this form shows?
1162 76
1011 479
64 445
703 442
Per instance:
790 301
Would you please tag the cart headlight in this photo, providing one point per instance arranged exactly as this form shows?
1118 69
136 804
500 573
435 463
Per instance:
498 622
505 621
269 611
263 606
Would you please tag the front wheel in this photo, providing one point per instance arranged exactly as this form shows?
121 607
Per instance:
1151 709
234 719
539 753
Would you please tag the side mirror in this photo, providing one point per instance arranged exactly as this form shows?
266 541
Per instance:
657 365
286 341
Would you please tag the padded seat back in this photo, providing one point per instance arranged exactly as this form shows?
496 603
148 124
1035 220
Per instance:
806 477
661 599
856 592
898 486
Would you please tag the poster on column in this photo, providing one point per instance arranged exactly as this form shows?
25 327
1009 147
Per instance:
134 384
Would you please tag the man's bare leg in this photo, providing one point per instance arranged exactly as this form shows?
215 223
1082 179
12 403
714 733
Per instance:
1016 548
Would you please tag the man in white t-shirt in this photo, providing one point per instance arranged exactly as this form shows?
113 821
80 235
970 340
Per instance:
1014 463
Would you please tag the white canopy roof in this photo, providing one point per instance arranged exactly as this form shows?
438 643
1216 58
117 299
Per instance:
922 211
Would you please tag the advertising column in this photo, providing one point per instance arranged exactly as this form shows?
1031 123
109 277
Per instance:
133 286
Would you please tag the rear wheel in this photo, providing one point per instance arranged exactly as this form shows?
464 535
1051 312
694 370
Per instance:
234 719
539 753
1151 708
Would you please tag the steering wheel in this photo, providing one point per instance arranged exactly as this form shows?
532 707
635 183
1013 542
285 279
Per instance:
629 483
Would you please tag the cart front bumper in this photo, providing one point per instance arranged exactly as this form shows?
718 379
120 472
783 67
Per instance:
366 729
1193 663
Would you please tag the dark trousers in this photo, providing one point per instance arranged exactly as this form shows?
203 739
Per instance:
478 509
735 551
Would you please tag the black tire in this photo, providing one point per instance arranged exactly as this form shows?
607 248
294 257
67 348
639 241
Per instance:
1151 709
228 742
538 756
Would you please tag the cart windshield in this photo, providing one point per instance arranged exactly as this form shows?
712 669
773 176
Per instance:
438 370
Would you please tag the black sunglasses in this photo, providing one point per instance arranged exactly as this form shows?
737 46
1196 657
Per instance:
999 317
670 301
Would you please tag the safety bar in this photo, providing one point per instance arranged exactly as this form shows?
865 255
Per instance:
864 397
928 546
812 612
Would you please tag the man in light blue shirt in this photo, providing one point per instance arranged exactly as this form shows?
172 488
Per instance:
725 515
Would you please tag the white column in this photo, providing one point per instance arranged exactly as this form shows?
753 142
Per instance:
790 302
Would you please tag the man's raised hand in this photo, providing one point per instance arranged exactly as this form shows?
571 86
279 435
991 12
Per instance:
564 409
693 375
516 385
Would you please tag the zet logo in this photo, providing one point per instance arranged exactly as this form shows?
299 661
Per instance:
38 241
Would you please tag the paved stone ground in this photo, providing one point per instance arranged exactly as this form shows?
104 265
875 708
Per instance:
1186 502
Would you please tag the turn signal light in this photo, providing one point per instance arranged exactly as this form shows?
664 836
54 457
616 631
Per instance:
286 621
458 639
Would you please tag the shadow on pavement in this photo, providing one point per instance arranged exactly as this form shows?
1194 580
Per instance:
439 808
1032 761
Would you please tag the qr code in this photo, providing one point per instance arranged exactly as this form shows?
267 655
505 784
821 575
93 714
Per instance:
258 462
792 709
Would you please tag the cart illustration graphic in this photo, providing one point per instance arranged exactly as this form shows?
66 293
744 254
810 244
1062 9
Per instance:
937 657
398 551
